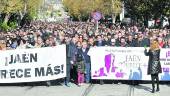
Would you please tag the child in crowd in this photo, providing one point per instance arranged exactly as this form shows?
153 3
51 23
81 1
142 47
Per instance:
80 67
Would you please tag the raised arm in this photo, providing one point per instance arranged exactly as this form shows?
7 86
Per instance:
146 52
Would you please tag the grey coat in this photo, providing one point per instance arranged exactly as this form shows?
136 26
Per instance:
71 51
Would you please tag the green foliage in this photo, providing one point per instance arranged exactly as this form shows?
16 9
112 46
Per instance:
12 25
147 9
83 8
32 15
33 7
10 6
4 27
21 7
58 13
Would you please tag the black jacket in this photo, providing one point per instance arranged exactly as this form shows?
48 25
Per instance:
71 51
99 44
86 56
154 66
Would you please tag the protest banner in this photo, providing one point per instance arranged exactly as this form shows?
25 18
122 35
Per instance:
125 63
30 65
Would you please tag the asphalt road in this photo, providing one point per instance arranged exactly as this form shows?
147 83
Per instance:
84 90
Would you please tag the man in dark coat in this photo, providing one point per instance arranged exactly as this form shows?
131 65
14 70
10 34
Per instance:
100 41
71 50
123 42
131 42
143 41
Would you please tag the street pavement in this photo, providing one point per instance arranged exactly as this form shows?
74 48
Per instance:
85 90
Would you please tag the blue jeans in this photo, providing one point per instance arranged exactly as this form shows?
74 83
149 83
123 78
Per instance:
87 70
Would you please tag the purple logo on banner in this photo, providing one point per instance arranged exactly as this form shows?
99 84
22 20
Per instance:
109 67
167 53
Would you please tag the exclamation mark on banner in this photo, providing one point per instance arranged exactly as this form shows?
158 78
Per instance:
62 67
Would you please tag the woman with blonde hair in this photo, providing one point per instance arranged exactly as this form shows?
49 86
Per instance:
154 66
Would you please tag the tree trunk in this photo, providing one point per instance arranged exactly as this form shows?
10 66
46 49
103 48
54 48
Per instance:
25 11
21 15
25 8
113 18
79 18
7 16
146 20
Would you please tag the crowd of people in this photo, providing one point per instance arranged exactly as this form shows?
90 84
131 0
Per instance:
79 37
43 34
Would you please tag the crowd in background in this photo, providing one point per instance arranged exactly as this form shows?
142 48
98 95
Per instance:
79 37
43 34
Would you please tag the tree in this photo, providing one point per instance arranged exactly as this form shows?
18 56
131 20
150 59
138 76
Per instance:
147 9
34 6
10 6
12 9
116 9
81 8
77 8
30 7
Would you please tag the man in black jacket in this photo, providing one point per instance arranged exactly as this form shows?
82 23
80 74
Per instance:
99 41
71 50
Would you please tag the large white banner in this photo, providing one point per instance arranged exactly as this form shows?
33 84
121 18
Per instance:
30 65
125 63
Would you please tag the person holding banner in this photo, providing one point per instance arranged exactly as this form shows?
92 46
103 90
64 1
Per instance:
71 50
154 66
100 42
